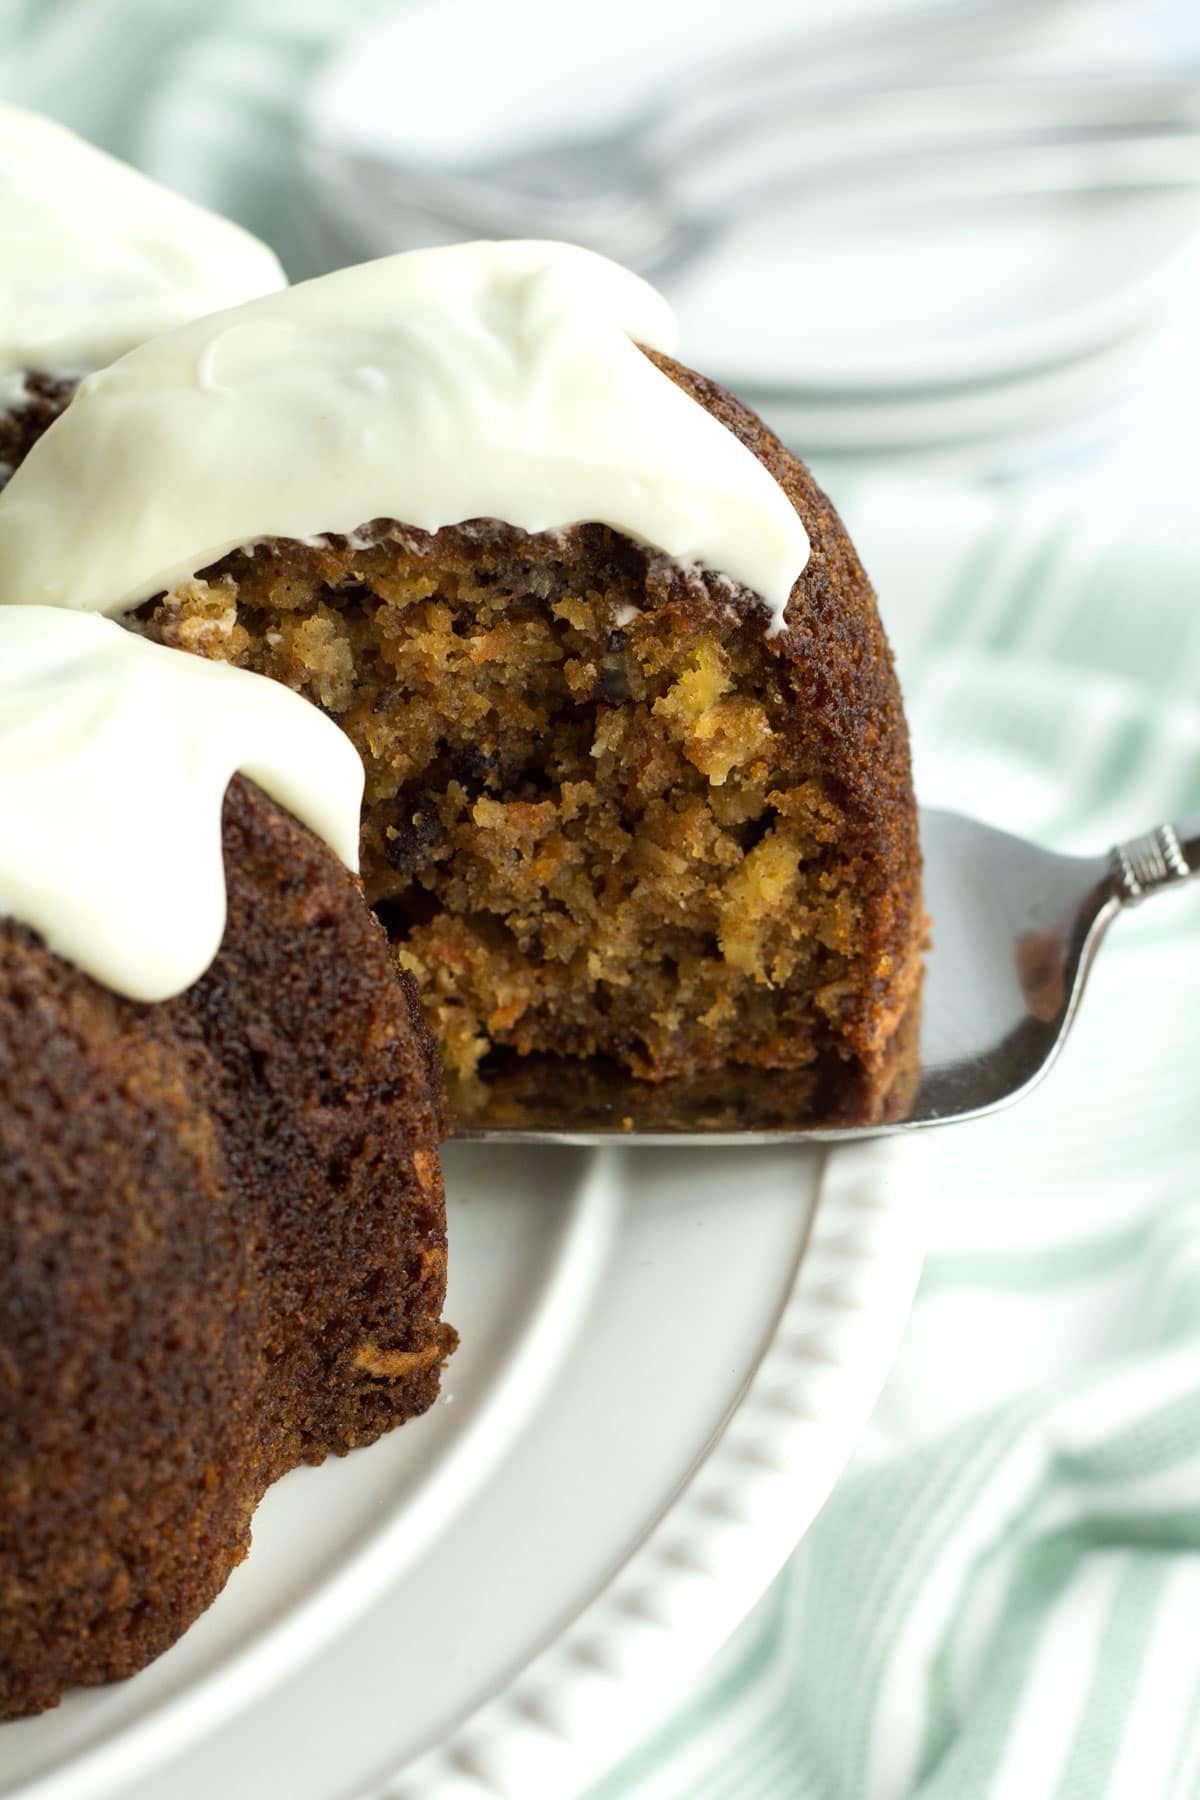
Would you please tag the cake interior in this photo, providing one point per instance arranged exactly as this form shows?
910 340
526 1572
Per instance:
594 822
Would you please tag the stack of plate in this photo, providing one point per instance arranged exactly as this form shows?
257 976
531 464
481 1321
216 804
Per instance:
887 322
1026 329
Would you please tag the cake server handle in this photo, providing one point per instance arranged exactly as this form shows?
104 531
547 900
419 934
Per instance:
1161 858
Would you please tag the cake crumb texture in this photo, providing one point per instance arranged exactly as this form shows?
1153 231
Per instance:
606 813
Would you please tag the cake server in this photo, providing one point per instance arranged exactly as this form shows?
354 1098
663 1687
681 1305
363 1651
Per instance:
1015 931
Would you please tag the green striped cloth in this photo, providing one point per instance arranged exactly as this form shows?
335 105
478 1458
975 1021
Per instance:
1002 1597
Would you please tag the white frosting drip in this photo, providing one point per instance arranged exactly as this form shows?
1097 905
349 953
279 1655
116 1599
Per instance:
115 755
479 381
97 258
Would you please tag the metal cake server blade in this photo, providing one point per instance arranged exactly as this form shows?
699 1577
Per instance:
1015 931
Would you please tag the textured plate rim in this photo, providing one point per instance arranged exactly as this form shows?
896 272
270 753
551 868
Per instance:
608 1675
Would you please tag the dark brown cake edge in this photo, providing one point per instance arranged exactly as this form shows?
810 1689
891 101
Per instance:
239 1307
844 681
23 423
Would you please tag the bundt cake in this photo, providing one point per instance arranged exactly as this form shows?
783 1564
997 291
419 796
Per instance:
222 1232
637 772
96 258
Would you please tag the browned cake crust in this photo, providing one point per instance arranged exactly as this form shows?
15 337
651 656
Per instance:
846 701
22 426
605 813
222 1253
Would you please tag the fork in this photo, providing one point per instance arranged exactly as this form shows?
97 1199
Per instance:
1015 932
663 187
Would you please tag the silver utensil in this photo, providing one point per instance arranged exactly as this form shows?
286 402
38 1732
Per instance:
663 188
604 188
1015 932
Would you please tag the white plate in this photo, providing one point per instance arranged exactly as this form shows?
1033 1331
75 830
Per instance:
876 303
837 291
987 417
667 1358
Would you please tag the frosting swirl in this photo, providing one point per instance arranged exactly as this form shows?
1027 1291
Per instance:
488 380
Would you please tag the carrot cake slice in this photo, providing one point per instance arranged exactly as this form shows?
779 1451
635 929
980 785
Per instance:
637 771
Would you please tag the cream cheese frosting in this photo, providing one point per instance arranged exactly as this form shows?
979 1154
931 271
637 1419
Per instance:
487 380
97 258
115 754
